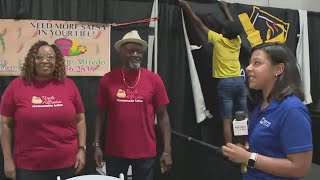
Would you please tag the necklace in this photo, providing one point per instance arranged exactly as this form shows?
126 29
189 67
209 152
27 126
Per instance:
264 105
137 80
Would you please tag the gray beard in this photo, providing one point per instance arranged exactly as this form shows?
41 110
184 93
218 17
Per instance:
134 65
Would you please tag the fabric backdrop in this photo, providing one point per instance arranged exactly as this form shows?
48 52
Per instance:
191 161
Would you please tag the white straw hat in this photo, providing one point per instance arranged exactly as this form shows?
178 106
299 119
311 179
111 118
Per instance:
132 36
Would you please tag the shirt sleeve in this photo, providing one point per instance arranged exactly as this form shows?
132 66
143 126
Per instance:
8 105
160 98
213 37
77 100
101 99
295 133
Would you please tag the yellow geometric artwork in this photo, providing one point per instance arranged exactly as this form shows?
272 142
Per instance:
275 28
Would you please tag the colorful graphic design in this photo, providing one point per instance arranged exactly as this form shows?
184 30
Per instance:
121 93
45 102
264 27
36 100
2 42
70 47
84 45
129 96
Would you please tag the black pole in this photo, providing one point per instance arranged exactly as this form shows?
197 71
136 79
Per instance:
217 150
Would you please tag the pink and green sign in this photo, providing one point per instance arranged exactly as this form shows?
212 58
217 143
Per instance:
85 46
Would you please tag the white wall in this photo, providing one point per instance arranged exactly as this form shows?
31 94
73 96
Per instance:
310 5
251 2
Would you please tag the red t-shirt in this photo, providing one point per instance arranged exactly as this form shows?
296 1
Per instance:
131 112
45 130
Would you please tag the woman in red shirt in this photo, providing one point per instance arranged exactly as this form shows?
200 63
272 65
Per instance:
43 115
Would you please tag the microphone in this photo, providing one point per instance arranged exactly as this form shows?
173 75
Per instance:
240 132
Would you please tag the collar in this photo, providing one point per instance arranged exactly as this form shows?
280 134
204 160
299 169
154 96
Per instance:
274 104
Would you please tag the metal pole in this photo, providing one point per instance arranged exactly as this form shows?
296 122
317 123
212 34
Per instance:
218 150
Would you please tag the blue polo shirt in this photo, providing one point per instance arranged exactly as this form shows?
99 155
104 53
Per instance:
280 129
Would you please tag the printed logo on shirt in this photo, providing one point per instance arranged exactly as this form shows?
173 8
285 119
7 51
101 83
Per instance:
264 122
121 93
129 96
45 102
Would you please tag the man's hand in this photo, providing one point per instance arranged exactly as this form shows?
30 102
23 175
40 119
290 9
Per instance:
223 3
80 161
165 162
98 155
183 3
10 169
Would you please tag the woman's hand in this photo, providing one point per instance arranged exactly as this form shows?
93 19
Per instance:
10 169
80 161
236 153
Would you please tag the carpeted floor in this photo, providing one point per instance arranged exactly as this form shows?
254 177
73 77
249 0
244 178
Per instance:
314 173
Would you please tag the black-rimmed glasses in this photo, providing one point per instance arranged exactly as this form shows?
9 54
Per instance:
41 57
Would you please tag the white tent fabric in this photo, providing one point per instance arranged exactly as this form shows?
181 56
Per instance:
303 58
200 107
153 39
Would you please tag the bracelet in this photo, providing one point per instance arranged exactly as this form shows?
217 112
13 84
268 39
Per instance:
84 148
164 153
95 144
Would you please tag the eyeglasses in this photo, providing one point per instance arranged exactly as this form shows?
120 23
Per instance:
41 57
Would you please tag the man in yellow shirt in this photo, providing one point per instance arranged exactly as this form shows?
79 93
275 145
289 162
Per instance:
232 91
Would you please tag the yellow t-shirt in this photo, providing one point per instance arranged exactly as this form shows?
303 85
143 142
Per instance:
225 58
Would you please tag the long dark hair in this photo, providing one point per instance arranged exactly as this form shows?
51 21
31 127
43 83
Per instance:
28 71
289 82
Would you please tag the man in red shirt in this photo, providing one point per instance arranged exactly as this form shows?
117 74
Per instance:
130 96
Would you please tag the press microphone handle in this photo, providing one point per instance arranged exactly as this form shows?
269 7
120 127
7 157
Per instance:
240 130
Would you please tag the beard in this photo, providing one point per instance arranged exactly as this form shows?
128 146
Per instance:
134 65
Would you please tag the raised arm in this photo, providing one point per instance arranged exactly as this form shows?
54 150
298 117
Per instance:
186 7
224 6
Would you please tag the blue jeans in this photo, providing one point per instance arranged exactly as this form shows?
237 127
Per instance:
142 169
232 96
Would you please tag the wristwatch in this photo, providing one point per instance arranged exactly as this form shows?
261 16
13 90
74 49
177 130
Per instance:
252 160
84 148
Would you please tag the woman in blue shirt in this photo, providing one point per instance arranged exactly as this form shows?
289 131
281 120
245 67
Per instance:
280 138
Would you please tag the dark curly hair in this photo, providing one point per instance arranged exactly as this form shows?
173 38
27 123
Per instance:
232 30
28 71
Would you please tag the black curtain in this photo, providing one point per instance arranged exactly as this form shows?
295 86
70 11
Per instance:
191 161
314 44
172 62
